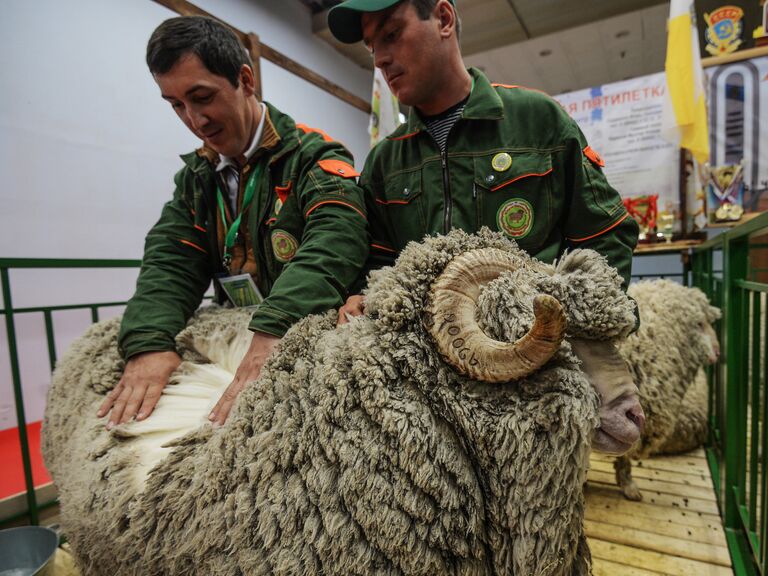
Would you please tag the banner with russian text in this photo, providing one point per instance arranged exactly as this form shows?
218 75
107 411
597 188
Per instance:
622 121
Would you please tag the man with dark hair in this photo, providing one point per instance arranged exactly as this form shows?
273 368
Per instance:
265 206
473 153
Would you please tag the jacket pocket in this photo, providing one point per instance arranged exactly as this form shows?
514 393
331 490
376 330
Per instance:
403 203
514 195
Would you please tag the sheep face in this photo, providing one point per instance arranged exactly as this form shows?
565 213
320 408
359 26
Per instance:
621 416
703 334
710 341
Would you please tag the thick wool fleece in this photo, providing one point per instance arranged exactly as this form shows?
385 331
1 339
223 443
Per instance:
691 427
665 355
358 450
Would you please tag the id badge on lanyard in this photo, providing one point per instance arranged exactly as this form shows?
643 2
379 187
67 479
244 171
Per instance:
240 289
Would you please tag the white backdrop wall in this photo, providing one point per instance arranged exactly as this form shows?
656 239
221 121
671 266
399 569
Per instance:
88 148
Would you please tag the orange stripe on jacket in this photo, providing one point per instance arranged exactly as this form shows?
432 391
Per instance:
384 248
386 202
306 129
603 231
404 136
334 202
195 246
520 177
521 88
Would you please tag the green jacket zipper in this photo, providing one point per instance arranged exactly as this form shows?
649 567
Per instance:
447 194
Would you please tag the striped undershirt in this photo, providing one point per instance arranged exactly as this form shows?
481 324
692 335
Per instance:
439 126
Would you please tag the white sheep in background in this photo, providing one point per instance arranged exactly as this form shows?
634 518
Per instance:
446 432
675 340
691 426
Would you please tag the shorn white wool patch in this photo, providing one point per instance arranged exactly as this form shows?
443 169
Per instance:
189 397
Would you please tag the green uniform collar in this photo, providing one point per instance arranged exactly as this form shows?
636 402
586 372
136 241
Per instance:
483 104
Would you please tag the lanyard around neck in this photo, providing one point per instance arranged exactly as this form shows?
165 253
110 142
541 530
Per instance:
231 231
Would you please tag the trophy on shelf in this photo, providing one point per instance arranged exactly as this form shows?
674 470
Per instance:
725 192
666 225
643 209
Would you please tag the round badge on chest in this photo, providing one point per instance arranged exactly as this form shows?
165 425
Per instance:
501 162
515 218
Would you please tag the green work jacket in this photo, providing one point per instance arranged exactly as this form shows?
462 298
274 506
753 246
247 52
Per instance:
305 227
515 162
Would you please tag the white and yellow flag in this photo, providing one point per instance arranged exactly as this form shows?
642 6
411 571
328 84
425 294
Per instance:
385 111
684 120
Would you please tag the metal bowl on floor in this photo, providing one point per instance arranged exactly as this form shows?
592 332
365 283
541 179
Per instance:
27 551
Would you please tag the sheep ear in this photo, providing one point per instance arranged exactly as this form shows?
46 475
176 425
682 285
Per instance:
590 291
580 261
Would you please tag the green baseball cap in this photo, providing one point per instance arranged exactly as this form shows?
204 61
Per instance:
344 19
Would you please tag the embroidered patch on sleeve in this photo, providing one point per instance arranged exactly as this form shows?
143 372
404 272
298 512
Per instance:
284 246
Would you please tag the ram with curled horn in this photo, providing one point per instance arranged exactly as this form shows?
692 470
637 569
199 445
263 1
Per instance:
447 432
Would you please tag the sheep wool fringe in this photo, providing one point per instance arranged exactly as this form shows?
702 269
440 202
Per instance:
357 451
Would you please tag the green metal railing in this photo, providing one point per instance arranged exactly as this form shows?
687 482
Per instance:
6 265
738 403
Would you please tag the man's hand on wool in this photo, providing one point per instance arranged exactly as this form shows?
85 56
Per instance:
354 306
140 387
262 345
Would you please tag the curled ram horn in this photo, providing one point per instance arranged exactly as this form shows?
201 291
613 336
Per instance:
450 319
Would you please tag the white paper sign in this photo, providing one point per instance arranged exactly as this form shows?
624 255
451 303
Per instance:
622 121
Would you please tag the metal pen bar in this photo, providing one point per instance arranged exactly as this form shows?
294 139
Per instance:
51 339
64 307
753 384
764 443
21 420
67 263
764 440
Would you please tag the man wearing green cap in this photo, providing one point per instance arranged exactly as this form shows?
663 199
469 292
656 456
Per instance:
473 153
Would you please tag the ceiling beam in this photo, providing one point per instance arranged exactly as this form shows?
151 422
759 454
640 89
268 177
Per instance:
519 18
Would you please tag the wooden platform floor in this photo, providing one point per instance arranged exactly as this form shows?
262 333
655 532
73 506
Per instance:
675 530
